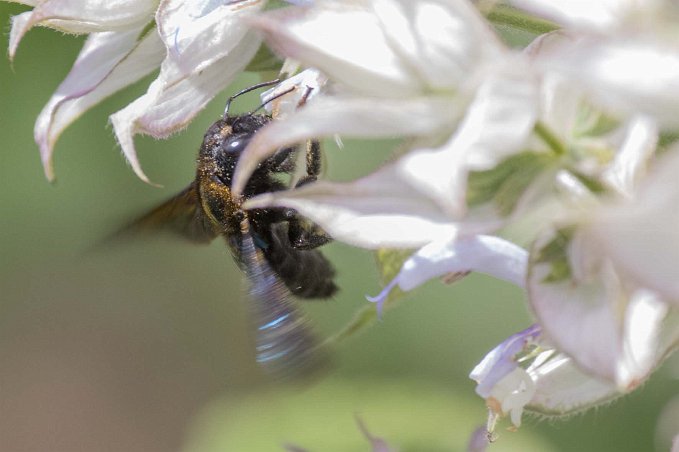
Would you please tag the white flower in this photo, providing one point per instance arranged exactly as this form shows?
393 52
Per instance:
202 46
624 53
485 254
614 308
524 371
401 68
286 97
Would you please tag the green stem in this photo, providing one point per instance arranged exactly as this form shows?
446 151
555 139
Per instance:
549 138
505 15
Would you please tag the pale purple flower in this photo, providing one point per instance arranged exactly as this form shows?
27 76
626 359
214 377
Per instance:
525 371
480 253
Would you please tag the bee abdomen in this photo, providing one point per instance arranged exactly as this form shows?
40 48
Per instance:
307 273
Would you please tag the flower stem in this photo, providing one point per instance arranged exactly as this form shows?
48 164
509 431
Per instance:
549 138
505 15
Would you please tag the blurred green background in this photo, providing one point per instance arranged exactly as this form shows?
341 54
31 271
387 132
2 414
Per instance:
145 347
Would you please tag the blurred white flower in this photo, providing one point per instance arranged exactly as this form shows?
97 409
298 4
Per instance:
604 287
199 46
623 53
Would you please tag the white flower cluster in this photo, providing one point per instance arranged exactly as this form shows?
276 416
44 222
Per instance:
563 138
570 139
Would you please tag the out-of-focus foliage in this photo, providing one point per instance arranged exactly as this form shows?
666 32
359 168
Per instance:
410 416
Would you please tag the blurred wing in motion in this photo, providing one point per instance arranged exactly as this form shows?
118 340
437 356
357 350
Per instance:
286 346
181 215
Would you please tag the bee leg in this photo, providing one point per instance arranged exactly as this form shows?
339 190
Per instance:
283 161
313 158
313 164
305 235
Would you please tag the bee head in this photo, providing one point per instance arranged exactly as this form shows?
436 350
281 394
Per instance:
224 142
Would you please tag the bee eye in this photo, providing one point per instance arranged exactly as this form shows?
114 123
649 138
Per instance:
235 145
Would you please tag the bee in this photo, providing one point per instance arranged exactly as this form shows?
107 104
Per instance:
276 248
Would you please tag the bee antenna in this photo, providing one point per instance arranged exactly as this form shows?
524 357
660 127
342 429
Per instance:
287 91
247 90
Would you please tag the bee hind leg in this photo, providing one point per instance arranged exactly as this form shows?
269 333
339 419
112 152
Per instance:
303 234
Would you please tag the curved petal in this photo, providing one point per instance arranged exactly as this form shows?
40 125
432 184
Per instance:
20 25
363 59
350 116
108 62
610 332
526 371
562 388
631 159
481 253
500 361
443 41
305 86
167 107
500 117
84 16
629 75
379 210
642 235
598 14
197 34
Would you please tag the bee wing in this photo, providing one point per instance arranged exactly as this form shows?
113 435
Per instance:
181 215
287 348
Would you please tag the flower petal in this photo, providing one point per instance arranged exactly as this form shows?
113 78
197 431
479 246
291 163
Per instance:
500 361
363 59
445 41
627 74
631 159
84 16
305 87
20 25
481 253
379 210
197 34
351 116
562 388
611 332
107 62
526 371
500 117
168 106
598 14
642 235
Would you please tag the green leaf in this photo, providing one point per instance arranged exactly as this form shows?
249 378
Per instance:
591 122
667 138
264 61
510 17
505 184
591 183
555 254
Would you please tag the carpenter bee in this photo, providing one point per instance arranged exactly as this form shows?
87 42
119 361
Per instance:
274 247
